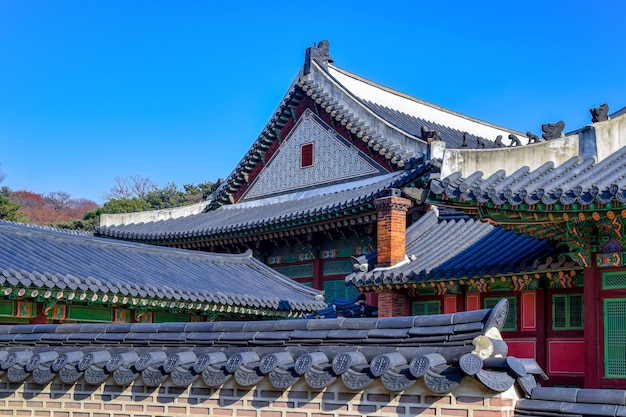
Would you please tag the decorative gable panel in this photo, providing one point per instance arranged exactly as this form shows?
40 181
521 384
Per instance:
333 159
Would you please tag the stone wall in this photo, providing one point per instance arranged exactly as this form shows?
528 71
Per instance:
137 400
599 140
610 136
152 216
488 161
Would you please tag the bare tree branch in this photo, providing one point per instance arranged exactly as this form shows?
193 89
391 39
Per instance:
134 186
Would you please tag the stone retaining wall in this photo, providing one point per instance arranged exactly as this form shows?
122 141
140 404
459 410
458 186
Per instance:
263 400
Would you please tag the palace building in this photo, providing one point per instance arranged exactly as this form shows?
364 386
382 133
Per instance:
54 276
353 187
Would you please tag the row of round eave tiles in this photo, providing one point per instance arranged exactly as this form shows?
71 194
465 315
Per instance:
218 305
249 369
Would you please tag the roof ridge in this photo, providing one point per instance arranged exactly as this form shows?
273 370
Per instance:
420 101
43 227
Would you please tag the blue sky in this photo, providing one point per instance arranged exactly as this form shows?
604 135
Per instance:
178 91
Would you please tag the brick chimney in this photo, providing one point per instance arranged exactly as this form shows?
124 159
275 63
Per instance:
391 228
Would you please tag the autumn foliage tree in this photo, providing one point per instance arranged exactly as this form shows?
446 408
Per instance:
51 208
127 195
137 193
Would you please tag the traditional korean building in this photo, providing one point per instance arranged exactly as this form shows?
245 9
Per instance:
339 156
53 276
451 364
456 263
350 174
569 190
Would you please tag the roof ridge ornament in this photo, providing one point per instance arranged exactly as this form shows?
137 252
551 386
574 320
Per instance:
553 130
319 53
600 113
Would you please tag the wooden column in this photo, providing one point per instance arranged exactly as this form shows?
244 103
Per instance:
318 273
40 318
593 356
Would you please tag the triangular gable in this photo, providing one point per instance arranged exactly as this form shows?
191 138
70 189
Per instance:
328 158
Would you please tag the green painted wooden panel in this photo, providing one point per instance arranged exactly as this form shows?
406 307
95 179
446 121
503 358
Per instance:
500 286
614 280
337 267
426 307
7 308
14 320
615 337
86 313
164 317
567 311
296 271
427 290
337 288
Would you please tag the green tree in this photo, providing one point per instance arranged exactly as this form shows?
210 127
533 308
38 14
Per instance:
8 208
136 194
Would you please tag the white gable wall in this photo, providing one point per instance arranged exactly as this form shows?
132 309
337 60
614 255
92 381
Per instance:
416 108
334 160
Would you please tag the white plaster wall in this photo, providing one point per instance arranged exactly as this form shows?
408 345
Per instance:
610 136
151 216
468 161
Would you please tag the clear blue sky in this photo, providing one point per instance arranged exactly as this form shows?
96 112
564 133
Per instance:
176 91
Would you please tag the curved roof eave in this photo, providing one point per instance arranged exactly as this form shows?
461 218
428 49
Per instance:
397 146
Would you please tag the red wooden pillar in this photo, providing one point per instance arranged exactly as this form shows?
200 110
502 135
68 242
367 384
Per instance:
40 318
593 357
542 304
318 272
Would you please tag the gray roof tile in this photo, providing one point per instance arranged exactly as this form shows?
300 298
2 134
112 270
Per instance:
582 181
413 125
273 212
480 249
103 265
572 401
97 348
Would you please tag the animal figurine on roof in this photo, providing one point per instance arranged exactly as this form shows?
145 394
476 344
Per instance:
514 140
600 113
430 135
464 144
532 138
498 143
553 130
322 52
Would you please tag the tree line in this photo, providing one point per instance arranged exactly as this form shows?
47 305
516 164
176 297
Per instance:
127 195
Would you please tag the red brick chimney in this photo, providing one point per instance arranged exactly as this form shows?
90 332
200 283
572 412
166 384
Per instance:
391 248
391 228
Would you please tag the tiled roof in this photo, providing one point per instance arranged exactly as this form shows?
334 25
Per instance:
581 181
457 248
409 113
63 266
440 350
413 125
387 122
572 402
275 212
